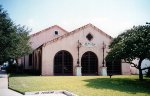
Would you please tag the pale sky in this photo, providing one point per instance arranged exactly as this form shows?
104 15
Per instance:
111 16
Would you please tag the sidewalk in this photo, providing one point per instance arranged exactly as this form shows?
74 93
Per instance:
4 91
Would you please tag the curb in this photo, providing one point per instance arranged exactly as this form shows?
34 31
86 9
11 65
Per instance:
12 88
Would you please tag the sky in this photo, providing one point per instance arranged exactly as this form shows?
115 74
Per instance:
111 16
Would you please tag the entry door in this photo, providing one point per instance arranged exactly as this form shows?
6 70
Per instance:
63 63
89 63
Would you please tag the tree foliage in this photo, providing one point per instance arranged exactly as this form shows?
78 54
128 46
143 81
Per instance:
133 43
13 38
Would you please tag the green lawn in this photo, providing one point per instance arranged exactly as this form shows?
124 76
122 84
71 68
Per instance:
84 85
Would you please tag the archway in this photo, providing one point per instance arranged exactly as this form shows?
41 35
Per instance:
63 63
89 63
39 63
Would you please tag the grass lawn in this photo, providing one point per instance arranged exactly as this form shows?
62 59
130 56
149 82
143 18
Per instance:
83 85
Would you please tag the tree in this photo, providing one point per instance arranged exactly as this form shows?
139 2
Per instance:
131 44
13 38
148 73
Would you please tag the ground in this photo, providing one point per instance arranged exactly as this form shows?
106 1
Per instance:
83 85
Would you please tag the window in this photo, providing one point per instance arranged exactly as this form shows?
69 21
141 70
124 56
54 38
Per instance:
56 32
89 36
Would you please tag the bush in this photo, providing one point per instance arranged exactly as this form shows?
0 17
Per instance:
11 68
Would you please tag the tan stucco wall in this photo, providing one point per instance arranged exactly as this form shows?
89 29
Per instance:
69 44
27 62
39 38
125 69
19 61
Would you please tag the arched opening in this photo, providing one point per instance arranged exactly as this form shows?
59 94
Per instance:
63 63
89 63
39 63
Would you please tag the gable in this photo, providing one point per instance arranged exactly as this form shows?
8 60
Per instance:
45 35
83 31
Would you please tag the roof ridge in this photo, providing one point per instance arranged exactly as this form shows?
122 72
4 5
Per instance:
32 35
77 30
101 31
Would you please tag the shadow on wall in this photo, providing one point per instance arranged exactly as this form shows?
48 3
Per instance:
120 84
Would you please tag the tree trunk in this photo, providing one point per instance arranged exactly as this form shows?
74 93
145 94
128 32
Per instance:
140 75
140 70
17 69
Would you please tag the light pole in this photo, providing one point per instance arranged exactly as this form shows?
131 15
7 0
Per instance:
78 47
103 47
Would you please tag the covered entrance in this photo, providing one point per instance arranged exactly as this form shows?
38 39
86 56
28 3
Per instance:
89 63
63 63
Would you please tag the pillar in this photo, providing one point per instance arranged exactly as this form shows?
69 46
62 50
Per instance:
103 71
78 71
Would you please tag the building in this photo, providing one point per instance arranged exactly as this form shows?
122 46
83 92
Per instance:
80 52
145 63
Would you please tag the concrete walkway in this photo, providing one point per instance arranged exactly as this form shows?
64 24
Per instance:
4 91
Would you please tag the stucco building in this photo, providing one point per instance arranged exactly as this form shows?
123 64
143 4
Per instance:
79 52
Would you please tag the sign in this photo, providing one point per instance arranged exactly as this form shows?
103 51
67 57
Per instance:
53 92
89 44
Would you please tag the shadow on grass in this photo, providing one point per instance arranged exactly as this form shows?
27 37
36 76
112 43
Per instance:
132 86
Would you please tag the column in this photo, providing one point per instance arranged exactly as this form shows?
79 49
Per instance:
78 71
103 71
